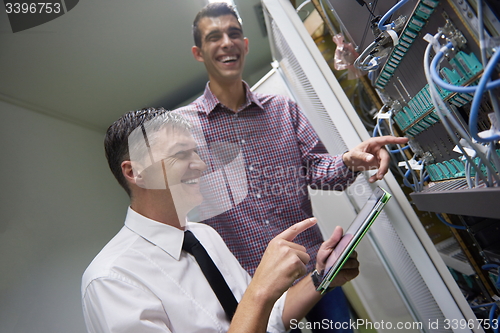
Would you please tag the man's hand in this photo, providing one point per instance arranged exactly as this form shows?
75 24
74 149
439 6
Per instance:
371 154
283 262
351 267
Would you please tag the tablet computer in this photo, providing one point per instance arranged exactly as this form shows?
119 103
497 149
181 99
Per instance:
353 235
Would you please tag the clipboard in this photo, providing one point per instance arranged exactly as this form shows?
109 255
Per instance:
353 236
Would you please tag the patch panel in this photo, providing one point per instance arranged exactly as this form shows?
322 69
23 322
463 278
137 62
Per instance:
452 169
483 167
419 115
446 170
418 20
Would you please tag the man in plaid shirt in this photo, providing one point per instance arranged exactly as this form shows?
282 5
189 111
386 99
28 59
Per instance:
283 154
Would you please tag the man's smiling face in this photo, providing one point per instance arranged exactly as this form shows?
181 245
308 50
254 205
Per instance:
223 47
177 167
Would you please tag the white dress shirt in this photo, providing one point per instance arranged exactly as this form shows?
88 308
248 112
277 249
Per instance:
143 282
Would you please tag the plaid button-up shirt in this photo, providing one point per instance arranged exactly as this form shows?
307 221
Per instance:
282 155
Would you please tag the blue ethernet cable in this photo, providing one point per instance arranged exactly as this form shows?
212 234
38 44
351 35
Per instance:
482 305
395 151
492 317
406 182
377 132
420 183
474 110
487 267
490 266
460 89
482 47
460 227
423 174
391 11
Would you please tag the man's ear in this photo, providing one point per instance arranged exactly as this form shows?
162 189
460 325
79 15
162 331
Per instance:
197 53
246 45
128 173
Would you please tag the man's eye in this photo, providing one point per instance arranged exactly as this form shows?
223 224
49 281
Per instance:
181 154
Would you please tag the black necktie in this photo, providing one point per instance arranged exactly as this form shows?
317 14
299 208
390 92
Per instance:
215 279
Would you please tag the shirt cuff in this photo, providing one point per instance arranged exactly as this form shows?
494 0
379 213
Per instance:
275 324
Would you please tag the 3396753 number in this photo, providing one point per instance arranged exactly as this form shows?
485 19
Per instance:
32 8
470 324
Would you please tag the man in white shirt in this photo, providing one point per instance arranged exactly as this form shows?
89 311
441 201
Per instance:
142 280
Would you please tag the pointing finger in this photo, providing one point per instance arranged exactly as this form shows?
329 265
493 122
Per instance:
388 139
292 232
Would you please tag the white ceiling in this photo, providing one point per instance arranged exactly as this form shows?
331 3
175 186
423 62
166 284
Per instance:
106 57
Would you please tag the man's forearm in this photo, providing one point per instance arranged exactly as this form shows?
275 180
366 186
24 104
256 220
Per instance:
252 313
299 300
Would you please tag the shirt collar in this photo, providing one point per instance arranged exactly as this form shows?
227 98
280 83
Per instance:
166 237
210 101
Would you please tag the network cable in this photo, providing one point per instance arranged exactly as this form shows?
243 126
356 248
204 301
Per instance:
423 174
491 154
482 305
460 227
417 185
474 110
395 151
302 5
448 86
492 317
468 174
420 183
488 267
391 11
377 131
367 61
482 46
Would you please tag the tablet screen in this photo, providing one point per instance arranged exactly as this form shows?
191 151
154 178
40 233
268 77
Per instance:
353 235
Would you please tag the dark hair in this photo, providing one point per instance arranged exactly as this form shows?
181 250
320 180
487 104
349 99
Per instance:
214 9
116 139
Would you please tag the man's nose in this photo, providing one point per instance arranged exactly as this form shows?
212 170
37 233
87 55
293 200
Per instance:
197 163
226 41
